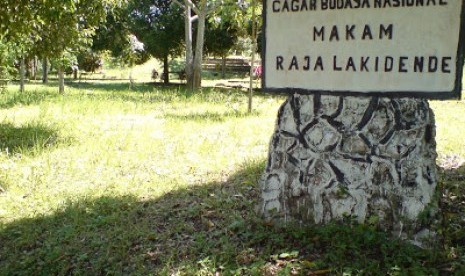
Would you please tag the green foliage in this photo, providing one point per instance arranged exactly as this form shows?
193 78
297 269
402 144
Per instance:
68 25
19 22
113 33
224 27
239 15
89 61
220 38
159 25
66 60
6 58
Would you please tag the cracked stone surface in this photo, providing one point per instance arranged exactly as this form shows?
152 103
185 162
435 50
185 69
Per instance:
366 157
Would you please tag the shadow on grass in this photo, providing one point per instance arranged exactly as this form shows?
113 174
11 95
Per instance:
110 86
142 87
16 98
29 139
452 186
200 230
141 92
210 116
217 75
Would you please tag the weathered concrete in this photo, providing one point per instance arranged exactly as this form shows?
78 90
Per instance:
369 158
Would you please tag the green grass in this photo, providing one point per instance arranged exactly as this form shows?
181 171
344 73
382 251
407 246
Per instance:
450 124
107 181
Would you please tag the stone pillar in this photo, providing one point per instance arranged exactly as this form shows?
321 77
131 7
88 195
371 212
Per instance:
369 158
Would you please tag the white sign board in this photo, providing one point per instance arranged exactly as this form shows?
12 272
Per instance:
370 47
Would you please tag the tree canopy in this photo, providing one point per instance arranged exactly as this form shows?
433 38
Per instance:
48 28
51 28
159 25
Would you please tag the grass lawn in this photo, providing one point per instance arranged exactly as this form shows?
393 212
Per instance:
158 181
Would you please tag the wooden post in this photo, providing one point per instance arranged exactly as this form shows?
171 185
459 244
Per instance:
22 74
254 49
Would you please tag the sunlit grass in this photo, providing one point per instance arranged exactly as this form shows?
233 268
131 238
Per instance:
156 180
450 127
91 142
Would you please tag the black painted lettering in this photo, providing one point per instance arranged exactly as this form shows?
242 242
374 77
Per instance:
386 31
442 2
312 5
295 5
276 6
294 64
376 64
306 67
336 4
402 65
335 67
334 34
350 32
367 32
432 64
285 6
304 6
363 64
350 64
431 2
388 64
365 4
418 64
279 63
445 64
319 33
324 4
319 64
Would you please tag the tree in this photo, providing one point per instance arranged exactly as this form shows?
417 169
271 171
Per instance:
194 59
68 25
113 34
221 36
199 11
49 28
6 58
20 25
158 25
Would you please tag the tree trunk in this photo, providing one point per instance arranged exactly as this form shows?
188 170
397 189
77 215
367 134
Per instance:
61 79
34 68
27 68
131 81
368 158
166 70
45 70
223 67
22 74
189 55
198 57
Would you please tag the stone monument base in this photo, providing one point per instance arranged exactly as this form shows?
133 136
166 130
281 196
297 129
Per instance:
369 158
